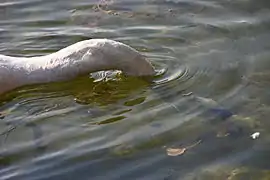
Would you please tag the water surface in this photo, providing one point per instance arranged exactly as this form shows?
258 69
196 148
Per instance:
211 96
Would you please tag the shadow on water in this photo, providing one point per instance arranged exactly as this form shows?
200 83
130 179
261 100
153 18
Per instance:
204 116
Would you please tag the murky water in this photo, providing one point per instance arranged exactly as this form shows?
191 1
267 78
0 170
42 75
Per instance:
205 116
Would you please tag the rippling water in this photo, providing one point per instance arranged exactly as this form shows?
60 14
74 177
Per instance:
205 116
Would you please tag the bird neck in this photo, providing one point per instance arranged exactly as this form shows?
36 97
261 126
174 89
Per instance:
78 59
60 66
12 75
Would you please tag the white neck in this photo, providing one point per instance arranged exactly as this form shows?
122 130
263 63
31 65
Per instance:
80 58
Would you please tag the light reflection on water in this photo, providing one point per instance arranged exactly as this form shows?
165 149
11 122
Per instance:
211 91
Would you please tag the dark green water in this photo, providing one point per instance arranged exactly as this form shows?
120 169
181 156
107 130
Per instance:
121 127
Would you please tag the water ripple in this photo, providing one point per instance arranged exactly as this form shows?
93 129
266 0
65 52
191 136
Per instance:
211 87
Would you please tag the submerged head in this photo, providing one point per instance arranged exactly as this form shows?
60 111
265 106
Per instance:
110 54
